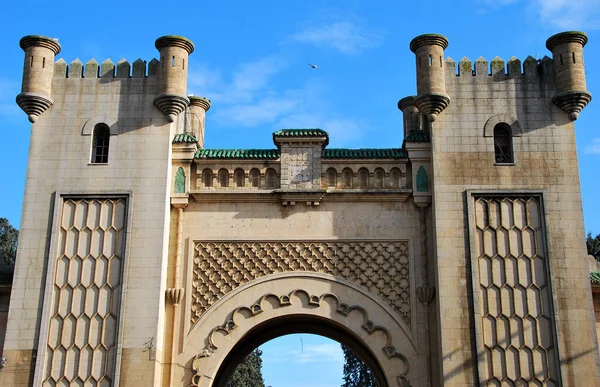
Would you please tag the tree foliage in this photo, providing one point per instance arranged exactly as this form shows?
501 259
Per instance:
249 372
593 245
8 241
356 372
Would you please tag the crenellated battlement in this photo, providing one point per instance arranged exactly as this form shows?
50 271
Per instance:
107 69
530 67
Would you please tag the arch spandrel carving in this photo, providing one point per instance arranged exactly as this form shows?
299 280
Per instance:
380 267
300 295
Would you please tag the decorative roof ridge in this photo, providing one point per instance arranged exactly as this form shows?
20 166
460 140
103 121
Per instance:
242 154
184 138
363 153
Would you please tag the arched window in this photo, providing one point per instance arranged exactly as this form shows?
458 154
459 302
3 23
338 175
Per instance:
363 178
503 144
395 178
271 177
207 177
331 178
240 178
100 142
378 178
223 178
255 178
347 178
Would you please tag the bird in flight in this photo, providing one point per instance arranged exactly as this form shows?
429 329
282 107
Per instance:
313 66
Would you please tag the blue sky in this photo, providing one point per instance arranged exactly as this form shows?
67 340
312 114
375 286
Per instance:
251 61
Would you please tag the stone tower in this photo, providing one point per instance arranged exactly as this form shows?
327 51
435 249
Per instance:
571 92
431 97
38 69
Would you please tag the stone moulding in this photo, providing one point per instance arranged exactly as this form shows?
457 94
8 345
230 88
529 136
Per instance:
33 104
171 105
285 300
572 102
510 120
432 104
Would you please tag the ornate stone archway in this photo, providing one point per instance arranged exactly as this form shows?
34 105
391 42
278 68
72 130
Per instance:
361 317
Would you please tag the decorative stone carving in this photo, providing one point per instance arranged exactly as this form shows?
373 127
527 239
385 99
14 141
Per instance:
382 267
515 309
174 295
87 293
285 300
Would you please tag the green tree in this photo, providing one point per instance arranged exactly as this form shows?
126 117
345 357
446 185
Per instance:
8 241
356 372
593 245
249 372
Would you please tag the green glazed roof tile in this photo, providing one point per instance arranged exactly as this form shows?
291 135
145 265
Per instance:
391 153
300 133
595 277
184 138
417 136
238 154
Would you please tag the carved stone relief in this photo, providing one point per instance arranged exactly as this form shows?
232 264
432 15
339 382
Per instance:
285 300
516 317
82 336
382 267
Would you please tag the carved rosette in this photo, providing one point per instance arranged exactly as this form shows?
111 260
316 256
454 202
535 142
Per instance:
572 102
171 105
33 104
432 104
175 295
425 294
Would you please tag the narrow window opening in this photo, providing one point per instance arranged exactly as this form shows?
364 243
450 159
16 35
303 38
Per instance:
419 62
100 144
271 177
561 59
441 62
173 62
207 177
255 178
31 61
574 58
503 144
223 178
183 67
430 60
162 61
43 62
331 178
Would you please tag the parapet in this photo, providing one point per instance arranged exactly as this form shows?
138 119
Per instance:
107 69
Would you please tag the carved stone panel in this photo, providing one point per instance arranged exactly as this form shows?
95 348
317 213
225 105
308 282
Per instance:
514 312
82 336
382 267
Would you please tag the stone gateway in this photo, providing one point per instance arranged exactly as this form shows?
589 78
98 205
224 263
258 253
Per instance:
455 258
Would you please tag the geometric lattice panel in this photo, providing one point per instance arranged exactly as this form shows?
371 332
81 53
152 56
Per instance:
382 267
86 294
517 321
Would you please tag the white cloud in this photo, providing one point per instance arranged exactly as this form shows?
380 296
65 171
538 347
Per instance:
594 148
310 353
562 14
345 36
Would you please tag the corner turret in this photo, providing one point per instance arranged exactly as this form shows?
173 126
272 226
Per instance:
411 115
35 97
172 74
431 97
198 108
569 74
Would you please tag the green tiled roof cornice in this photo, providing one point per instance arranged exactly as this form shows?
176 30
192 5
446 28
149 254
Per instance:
184 138
301 133
238 154
417 136
390 153
595 277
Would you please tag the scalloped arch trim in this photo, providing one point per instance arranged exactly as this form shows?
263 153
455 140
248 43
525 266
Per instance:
515 126
111 122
